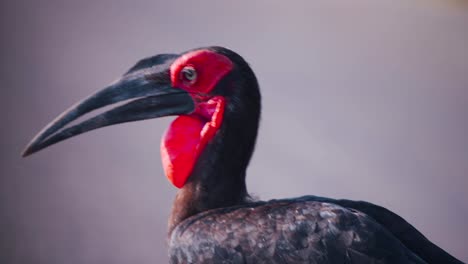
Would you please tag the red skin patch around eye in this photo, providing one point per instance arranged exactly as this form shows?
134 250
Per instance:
210 67
188 135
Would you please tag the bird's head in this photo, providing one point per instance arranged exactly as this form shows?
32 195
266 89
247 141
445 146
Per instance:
212 90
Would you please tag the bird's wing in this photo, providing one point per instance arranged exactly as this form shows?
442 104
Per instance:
286 231
399 227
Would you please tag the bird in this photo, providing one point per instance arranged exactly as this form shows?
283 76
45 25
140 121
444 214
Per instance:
215 96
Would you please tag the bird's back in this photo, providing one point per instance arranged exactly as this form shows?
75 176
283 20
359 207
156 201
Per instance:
304 230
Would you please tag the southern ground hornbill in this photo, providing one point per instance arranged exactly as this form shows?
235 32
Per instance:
205 153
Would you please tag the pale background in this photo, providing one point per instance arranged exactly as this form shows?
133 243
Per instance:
362 100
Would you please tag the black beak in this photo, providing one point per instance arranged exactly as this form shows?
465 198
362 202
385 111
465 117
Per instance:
148 92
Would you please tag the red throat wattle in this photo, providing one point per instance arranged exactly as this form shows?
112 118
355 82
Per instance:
188 135
186 138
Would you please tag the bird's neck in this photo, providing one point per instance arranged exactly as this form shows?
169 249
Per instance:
198 196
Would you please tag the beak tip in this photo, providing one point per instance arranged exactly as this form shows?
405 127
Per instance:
27 151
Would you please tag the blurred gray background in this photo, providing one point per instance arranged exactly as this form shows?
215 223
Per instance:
365 100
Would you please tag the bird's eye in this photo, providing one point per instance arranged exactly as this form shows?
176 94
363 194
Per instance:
189 74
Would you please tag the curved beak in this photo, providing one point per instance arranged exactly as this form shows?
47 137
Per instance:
148 94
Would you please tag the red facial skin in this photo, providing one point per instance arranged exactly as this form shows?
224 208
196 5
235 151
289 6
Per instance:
188 135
